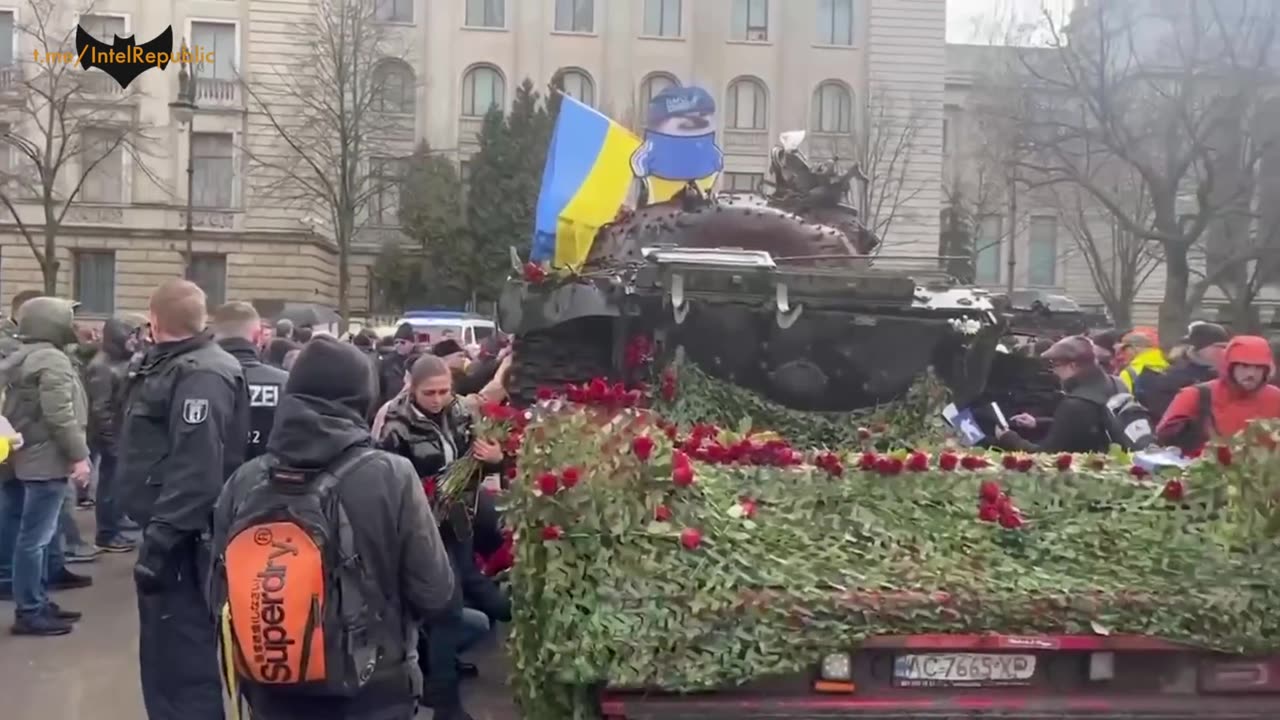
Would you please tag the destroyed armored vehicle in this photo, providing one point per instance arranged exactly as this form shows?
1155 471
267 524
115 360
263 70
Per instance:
1041 314
777 293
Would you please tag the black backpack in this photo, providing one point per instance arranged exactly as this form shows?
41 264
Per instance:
1126 421
304 613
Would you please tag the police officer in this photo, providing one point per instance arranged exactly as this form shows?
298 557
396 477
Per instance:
238 328
185 424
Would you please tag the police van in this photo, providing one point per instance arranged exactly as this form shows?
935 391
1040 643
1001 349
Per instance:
433 326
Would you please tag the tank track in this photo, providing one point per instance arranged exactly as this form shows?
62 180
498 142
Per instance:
572 352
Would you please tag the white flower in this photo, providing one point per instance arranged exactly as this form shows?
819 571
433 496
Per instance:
967 326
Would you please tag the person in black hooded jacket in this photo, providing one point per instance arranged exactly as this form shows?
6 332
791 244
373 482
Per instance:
105 378
432 429
320 419
1079 424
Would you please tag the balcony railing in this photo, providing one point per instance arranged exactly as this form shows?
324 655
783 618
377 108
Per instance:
100 84
10 76
216 92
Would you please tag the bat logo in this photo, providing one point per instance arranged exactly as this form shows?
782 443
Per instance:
124 60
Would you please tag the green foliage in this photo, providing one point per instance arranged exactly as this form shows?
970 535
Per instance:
698 397
432 215
506 174
398 277
612 596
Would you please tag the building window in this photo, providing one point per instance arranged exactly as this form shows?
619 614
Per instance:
654 85
213 171
835 22
662 18
103 27
1042 252
575 16
385 175
740 182
482 90
102 165
487 13
209 271
946 135
218 41
577 85
396 86
986 248
750 20
832 108
747 106
394 11
94 282
7 25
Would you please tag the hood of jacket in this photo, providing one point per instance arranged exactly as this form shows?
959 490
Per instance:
115 338
1246 350
48 319
1151 358
241 349
310 432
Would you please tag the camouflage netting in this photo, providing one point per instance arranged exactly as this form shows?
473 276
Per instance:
690 558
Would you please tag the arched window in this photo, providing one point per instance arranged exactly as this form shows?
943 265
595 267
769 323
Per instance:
482 89
832 108
655 84
396 88
748 105
577 85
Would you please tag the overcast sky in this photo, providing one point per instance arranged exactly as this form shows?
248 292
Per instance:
988 21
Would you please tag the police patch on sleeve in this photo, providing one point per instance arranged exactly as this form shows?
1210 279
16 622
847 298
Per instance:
195 410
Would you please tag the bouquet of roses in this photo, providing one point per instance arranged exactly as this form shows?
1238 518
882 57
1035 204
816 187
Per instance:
493 426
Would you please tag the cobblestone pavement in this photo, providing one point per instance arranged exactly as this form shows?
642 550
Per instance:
92 674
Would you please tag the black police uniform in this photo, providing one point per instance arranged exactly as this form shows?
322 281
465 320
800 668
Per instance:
266 385
184 432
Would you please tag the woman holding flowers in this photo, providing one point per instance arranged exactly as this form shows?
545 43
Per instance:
434 429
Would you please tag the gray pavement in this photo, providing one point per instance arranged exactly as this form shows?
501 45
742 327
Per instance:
93 672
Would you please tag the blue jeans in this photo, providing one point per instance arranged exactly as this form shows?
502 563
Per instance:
448 635
107 511
28 527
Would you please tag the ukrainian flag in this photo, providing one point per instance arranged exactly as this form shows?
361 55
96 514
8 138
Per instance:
585 182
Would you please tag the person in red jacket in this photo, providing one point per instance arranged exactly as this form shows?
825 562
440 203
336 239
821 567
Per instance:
1239 394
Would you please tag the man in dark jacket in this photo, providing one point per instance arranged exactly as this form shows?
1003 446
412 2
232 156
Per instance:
1079 424
106 376
184 431
321 417
236 326
1205 343
394 365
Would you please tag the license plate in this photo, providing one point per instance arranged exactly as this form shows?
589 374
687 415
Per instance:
963 670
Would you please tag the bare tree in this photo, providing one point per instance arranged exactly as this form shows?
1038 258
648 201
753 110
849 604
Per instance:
1159 94
885 153
336 121
64 124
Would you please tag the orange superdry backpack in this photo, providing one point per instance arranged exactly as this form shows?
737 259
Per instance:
304 613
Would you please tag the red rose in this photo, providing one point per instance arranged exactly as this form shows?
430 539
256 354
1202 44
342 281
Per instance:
511 472
889 466
988 512
1025 464
690 538
748 508
552 532
679 459
1010 462
1138 471
1174 491
533 273
618 395
598 392
575 393
642 447
546 393
1224 455
973 462
670 430
918 462
867 461
837 468
864 433
548 483
1004 504
989 491
1193 454
662 513
682 476
429 487
570 477
1010 520
1064 461
948 461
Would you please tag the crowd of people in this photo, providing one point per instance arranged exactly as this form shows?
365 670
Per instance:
1209 385
206 433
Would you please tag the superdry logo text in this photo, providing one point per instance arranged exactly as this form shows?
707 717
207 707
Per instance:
271 641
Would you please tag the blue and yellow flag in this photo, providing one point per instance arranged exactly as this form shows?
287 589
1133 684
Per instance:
585 182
